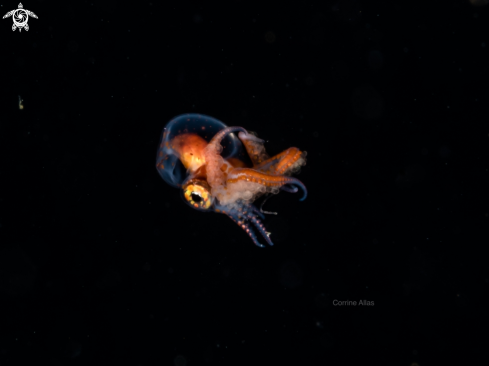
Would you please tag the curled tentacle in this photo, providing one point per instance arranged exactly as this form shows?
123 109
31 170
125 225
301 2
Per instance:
216 140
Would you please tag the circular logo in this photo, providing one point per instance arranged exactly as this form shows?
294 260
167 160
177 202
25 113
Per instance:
20 17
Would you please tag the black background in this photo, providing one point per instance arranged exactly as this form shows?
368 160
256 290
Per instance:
102 263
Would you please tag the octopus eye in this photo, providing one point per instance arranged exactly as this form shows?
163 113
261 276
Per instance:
196 193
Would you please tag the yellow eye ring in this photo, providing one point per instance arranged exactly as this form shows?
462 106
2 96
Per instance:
197 194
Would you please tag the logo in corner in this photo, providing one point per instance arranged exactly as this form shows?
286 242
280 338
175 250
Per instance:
20 17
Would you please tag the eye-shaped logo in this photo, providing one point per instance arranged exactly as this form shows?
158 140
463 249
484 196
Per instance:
20 17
